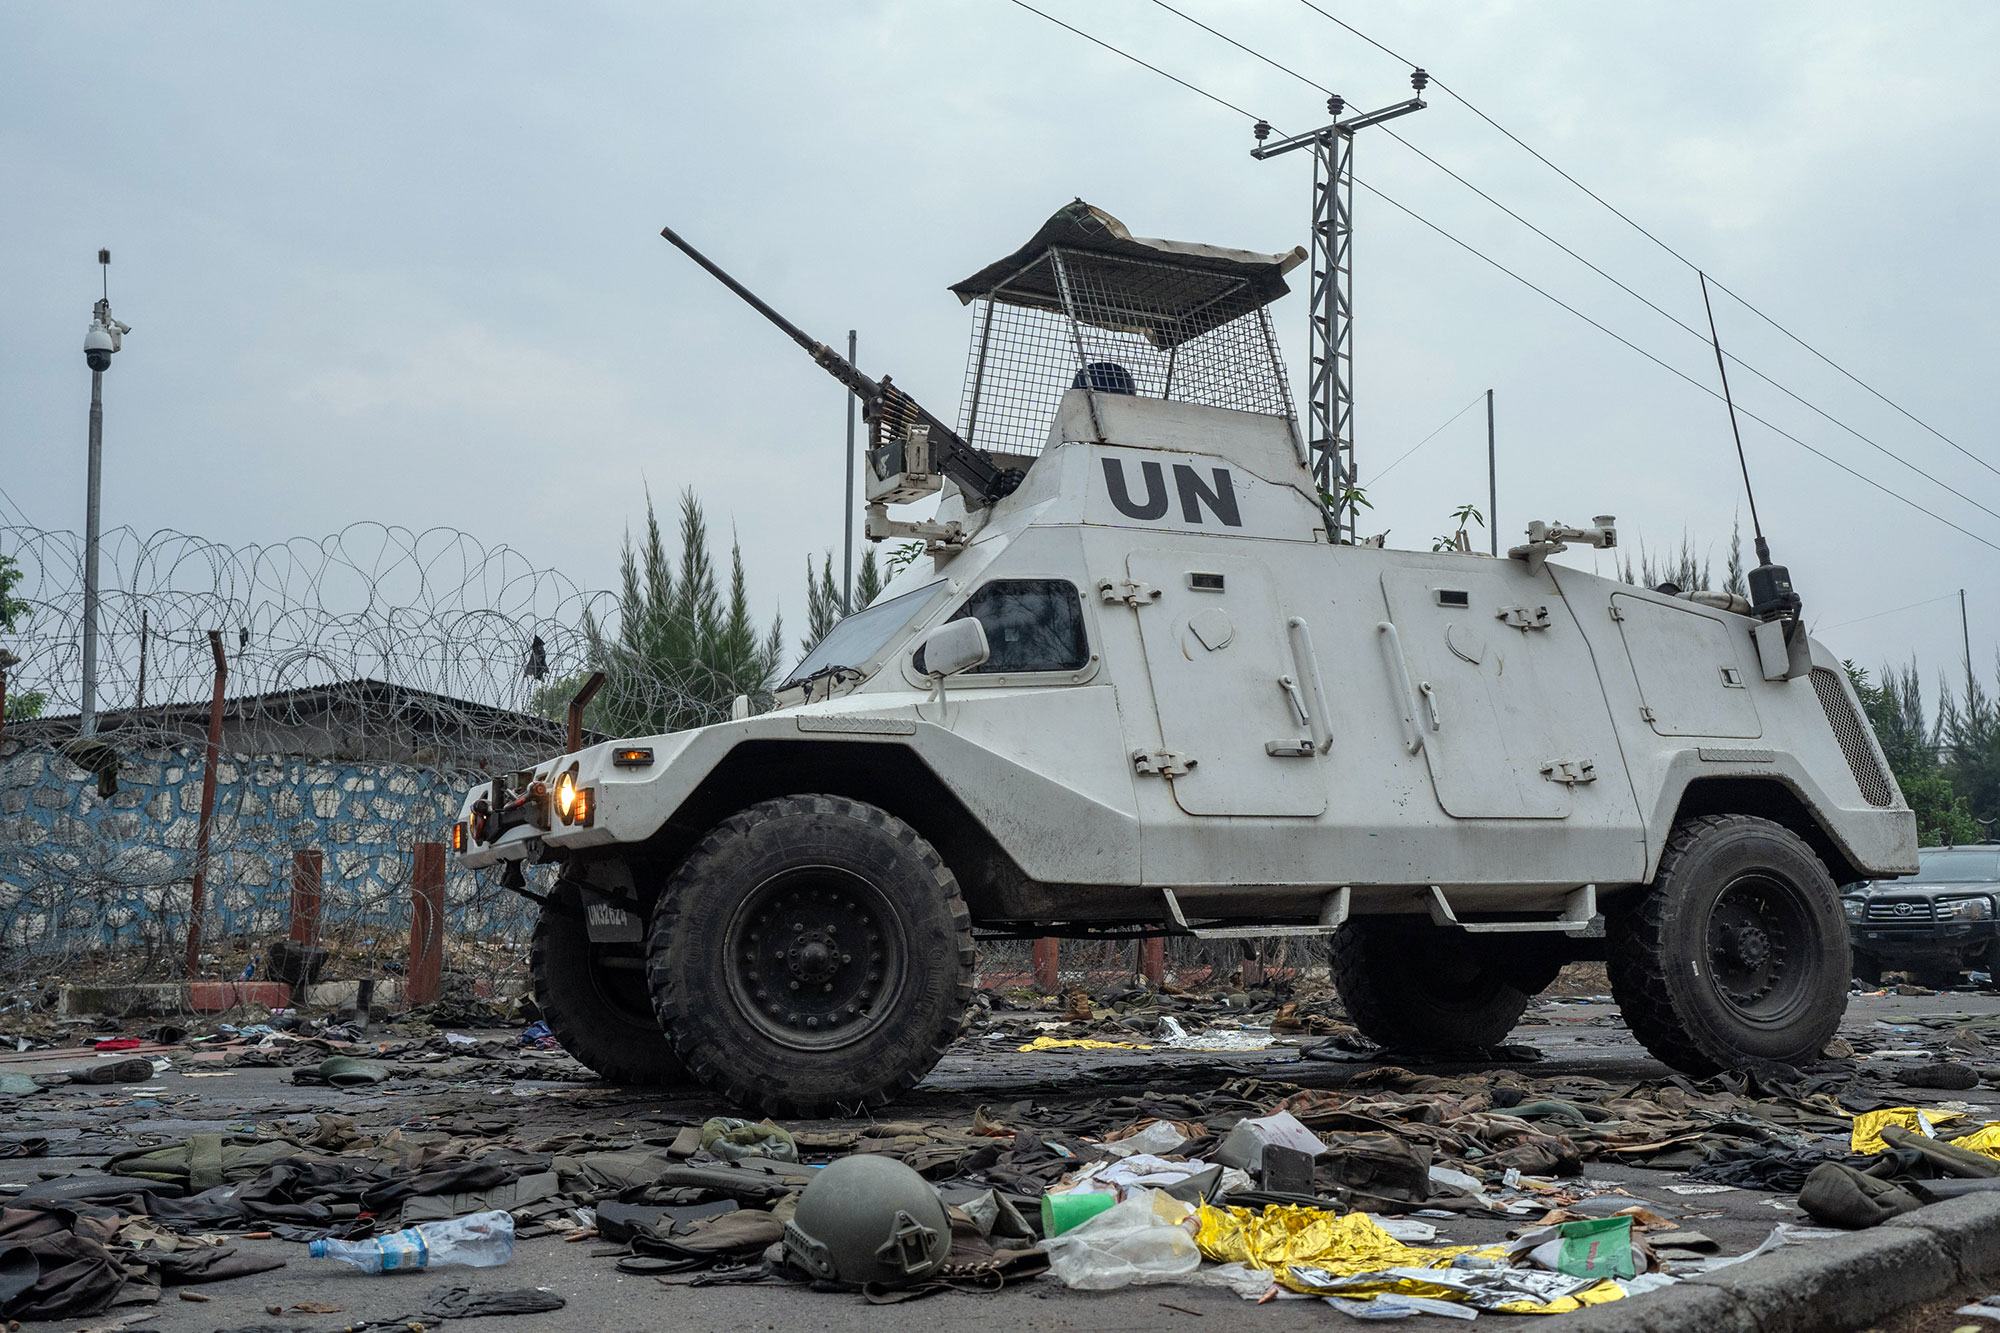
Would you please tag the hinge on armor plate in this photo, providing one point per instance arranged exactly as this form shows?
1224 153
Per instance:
1162 763
1570 772
1128 591
1646 714
1524 618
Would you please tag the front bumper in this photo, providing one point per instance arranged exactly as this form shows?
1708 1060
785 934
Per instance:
1942 939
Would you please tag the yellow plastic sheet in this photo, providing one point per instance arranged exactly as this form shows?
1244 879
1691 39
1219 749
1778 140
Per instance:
1285 1234
1985 1140
1081 1044
1866 1136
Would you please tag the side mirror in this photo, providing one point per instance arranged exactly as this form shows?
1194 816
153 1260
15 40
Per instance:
955 646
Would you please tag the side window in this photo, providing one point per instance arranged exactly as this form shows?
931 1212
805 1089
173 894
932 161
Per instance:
1031 625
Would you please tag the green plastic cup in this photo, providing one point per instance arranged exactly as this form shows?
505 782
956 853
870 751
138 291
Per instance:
1060 1212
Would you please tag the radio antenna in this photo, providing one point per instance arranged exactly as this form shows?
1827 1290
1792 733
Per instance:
1756 528
1782 648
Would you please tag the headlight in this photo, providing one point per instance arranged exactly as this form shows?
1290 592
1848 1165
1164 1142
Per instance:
1855 908
1966 909
566 797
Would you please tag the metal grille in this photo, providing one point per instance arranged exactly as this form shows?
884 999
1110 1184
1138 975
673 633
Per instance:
1075 318
1851 729
1909 911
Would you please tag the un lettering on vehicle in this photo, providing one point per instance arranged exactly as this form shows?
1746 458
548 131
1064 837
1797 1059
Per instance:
1171 491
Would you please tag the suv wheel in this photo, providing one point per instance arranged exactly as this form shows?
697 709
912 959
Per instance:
593 997
812 952
1738 952
1456 999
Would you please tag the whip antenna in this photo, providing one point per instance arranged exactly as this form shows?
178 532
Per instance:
1782 647
1756 528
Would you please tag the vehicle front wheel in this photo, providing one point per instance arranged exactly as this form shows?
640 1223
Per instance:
1738 953
593 997
1410 985
812 952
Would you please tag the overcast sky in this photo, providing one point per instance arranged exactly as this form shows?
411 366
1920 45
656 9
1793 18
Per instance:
401 263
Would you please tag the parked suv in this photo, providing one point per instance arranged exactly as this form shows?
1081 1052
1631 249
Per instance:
1936 925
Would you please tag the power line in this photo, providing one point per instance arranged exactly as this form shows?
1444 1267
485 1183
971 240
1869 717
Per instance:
1823 629
1118 51
1668 315
1428 438
1673 370
1542 292
1618 213
14 505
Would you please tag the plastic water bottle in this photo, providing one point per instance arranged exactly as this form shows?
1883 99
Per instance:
483 1240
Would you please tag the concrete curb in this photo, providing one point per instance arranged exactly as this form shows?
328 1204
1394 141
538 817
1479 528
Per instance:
1845 1282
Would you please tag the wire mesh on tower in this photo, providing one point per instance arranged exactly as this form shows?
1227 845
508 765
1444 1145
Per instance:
1086 305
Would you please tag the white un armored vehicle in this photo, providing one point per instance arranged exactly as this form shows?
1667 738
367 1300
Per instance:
1133 686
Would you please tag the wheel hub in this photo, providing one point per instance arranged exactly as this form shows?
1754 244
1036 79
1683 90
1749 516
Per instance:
814 958
1750 929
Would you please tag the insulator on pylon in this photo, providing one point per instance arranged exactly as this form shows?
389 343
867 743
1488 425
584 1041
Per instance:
1336 104
1262 129
1419 79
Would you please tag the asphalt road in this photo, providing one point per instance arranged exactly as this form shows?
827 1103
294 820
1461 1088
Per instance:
1576 1037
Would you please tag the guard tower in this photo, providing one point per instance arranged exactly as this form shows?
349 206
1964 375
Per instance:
1086 304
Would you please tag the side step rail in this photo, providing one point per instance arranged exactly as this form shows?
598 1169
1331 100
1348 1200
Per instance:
1332 916
1579 917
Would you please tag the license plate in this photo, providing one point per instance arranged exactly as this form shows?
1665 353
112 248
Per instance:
609 923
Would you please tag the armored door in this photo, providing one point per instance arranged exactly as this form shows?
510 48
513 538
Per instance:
1493 683
1233 727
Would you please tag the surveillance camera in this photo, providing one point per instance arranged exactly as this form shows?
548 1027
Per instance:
98 346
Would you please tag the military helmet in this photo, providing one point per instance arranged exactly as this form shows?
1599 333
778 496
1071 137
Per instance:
868 1218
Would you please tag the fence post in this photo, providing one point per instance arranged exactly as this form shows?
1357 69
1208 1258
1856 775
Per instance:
1253 962
207 817
1153 959
422 981
308 871
1047 962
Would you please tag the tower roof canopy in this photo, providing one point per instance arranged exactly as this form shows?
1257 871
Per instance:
1168 291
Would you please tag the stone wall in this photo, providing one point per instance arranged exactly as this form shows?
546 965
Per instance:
79 872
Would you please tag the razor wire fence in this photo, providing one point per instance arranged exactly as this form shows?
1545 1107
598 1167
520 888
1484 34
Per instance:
372 676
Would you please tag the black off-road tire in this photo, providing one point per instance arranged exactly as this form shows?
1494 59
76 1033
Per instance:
602 1015
1410 985
811 953
1737 955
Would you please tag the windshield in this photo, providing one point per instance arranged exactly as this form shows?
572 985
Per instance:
858 638
1959 865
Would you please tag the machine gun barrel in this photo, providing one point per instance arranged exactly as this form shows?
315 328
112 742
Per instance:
860 385
885 405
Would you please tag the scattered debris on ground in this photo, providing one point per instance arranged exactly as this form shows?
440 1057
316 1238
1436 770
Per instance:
1277 1156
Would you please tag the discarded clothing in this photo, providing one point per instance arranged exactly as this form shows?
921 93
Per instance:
1840 1196
732 1140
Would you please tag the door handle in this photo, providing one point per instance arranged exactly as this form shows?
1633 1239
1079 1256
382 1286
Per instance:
1306 663
1399 674
1430 702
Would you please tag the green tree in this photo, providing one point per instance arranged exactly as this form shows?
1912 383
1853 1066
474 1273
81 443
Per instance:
1688 569
27 703
12 608
822 603
867 580
683 649
1969 732
1895 708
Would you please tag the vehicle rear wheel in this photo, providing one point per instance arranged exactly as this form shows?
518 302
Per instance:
594 998
1410 985
812 952
1737 954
